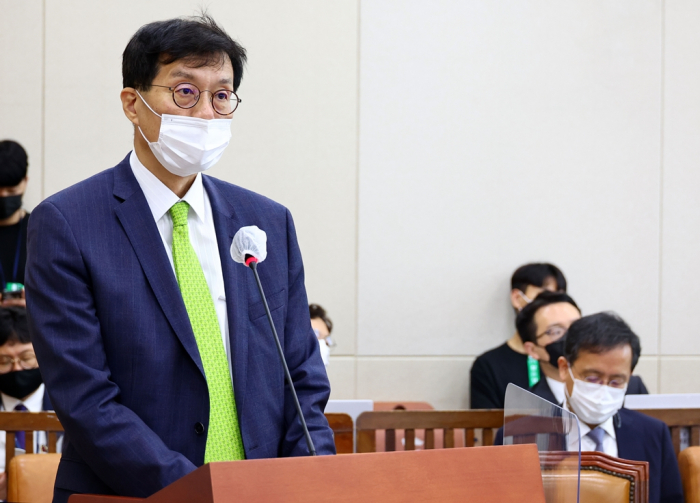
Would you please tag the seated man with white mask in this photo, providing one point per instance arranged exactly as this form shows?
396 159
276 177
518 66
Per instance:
600 354
542 325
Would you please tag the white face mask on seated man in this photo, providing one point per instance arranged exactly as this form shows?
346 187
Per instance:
594 403
600 352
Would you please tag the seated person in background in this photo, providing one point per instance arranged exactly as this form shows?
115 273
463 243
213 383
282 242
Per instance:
323 326
508 363
21 386
13 223
542 325
600 354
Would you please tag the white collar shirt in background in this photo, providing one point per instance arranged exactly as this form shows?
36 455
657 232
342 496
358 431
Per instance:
588 444
202 234
33 403
557 389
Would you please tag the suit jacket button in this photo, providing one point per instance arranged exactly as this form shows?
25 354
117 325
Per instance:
199 428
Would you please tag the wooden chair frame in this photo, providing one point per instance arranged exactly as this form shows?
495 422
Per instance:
676 420
343 432
12 422
428 420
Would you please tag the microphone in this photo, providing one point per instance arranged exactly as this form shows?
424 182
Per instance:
249 247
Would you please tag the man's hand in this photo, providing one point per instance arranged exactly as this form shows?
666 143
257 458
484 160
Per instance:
20 302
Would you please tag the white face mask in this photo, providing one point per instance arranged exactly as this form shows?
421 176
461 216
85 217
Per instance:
325 348
325 351
594 403
189 145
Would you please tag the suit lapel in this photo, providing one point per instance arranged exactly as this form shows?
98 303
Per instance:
137 220
626 443
226 223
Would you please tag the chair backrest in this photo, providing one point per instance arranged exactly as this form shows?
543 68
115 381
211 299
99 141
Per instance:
689 463
31 477
342 427
429 422
28 422
604 479
678 420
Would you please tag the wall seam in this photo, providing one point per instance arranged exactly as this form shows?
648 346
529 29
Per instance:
357 207
661 192
43 100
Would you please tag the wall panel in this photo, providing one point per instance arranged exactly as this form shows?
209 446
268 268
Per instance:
21 79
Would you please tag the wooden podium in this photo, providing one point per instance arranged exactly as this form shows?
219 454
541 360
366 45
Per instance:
484 474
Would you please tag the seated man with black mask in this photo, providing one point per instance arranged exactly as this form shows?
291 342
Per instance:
21 386
542 325
600 353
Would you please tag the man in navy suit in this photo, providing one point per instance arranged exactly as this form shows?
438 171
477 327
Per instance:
132 363
600 353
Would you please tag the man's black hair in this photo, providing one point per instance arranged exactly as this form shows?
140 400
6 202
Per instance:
599 333
13 163
316 311
525 321
199 40
537 275
13 326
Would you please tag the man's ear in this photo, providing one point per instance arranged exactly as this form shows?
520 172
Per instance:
530 350
129 97
516 299
563 368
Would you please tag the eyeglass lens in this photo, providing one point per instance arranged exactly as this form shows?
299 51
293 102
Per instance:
26 361
223 100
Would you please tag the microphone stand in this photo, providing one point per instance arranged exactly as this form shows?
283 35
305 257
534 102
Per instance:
253 264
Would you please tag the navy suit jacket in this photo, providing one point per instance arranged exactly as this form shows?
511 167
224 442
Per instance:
116 348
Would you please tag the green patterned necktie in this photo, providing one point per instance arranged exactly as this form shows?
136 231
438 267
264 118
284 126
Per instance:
224 442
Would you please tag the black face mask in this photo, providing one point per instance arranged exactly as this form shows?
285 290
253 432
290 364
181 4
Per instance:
20 383
8 206
555 350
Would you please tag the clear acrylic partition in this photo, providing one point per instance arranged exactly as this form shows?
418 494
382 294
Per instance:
528 419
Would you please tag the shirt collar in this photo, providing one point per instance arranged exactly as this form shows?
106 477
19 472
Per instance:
159 197
33 403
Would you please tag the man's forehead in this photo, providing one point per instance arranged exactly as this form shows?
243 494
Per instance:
615 359
193 69
14 347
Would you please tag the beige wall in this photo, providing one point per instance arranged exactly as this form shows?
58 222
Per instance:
426 149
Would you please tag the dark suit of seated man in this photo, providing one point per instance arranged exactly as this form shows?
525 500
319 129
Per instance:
154 345
600 352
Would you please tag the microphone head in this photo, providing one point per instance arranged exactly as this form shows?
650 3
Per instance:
249 242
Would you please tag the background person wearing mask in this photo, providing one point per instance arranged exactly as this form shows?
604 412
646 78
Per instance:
600 354
508 363
21 386
322 327
542 326
13 223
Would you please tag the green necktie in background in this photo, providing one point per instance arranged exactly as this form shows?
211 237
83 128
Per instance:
224 442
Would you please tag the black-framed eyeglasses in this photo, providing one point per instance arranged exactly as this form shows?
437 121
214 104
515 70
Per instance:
26 360
186 95
554 332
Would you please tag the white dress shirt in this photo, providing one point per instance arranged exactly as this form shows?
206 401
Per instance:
557 389
33 403
202 234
